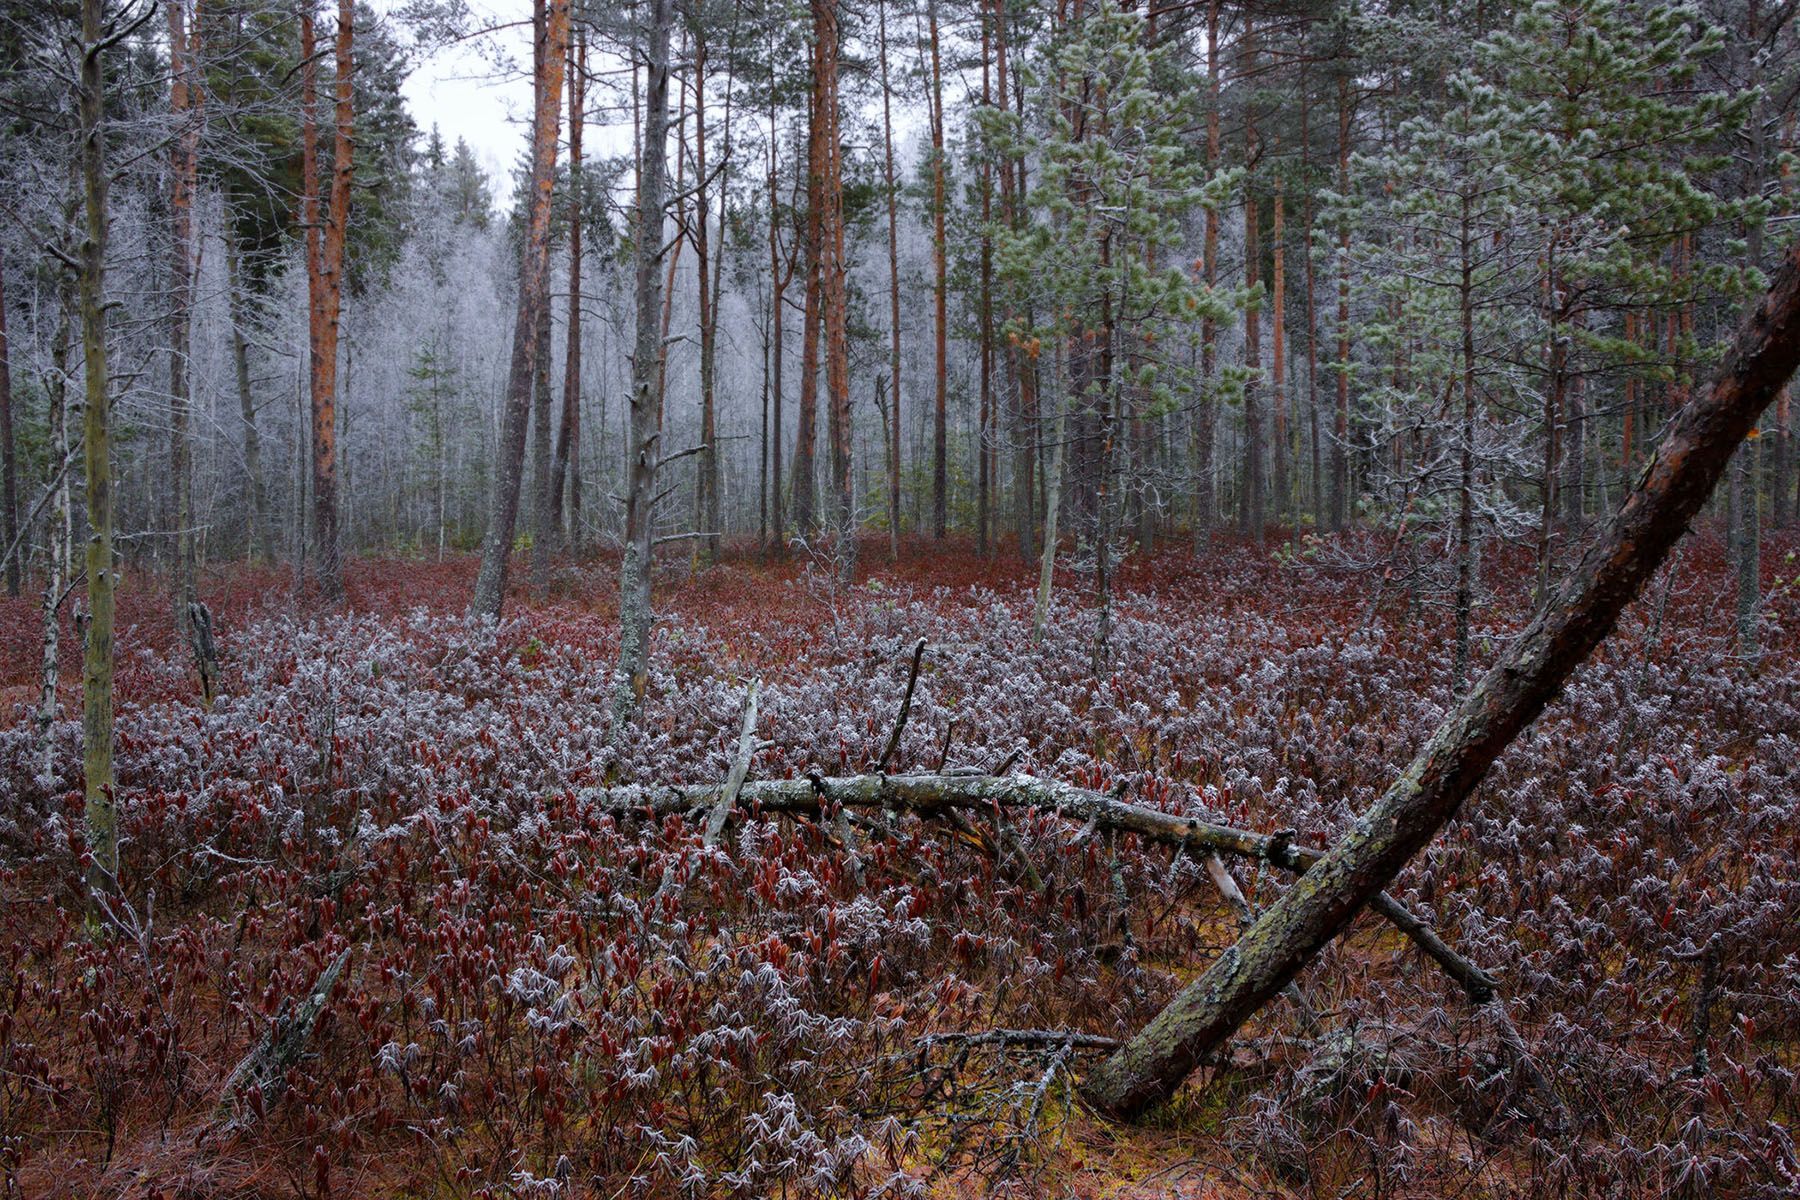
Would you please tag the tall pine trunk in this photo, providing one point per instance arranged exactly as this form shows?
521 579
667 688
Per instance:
551 34
806 438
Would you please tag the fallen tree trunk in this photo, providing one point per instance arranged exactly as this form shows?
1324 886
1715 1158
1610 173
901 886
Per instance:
943 795
1669 493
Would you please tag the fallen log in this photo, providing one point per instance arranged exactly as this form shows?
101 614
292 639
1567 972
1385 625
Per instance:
943 795
1674 485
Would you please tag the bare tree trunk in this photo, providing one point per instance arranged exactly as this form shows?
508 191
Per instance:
984 481
1205 490
1251 512
1278 451
1023 366
565 470
706 463
1340 458
836 300
1747 564
893 240
713 515
100 816
1568 627
1052 494
324 277
60 528
1465 491
940 290
261 544
646 373
185 111
1782 510
9 463
778 283
551 21
806 438
542 526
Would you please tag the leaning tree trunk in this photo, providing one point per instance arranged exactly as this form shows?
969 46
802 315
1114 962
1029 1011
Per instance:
1670 492
552 26
646 374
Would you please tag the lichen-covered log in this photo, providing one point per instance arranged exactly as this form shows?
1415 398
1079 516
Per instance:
1673 486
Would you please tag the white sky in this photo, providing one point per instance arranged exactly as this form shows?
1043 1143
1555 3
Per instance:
479 90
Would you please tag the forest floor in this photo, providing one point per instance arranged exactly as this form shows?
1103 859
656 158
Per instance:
544 996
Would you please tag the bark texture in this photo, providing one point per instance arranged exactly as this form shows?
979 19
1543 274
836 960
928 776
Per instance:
646 372
100 816
552 40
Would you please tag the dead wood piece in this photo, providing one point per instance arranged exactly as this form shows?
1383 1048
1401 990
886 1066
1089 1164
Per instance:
740 768
1045 1038
265 1068
938 794
912 680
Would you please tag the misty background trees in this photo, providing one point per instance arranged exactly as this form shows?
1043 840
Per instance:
1125 276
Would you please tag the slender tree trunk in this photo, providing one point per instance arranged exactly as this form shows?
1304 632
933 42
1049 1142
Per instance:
712 517
1021 364
1251 513
185 111
893 240
778 282
100 815
1205 488
542 526
646 374
1465 492
706 463
940 289
551 25
1340 442
984 481
261 540
1570 624
1554 407
60 528
565 471
836 299
806 438
1781 512
1278 383
1052 495
9 463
